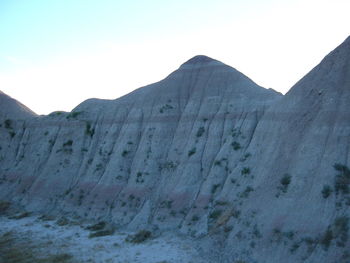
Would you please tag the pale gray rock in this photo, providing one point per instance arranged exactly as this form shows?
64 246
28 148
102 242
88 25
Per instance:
206 152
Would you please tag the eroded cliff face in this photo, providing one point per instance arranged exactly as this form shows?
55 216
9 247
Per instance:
205 151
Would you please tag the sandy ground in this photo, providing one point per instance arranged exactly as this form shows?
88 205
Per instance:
48 238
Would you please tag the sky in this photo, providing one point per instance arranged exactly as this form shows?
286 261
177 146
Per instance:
54 54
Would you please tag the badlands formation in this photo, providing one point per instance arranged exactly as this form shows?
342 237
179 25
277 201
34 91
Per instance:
247 173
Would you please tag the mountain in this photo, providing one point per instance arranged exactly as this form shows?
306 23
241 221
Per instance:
254 175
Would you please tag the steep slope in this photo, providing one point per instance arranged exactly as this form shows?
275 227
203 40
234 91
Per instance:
300 158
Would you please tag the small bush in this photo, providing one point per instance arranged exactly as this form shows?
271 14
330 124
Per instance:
99 226
102 233
245 170
341 230
285 181
214 188
68 143
125 153
215 214
192 151
4 206
20 215
327 238
8 124
200 132
236 146
342 179
62 221
88 130
195 218
73 115
139 237
326 191
60 258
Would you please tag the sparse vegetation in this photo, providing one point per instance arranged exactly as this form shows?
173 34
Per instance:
246 192
192 151
327 238
8 124
285 181
236 145
195 218
139 237
342 179
326 191
200 132
214 188
245 171
4 206
125 153
68 143
341 230
215 214
89 130
102 233
165 107
62 221
20 215
73 115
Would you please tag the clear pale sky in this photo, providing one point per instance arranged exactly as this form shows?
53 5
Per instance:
54 54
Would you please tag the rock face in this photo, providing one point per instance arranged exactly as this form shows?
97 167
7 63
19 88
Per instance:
12 109
205 151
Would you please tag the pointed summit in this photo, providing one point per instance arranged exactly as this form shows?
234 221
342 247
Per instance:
201 61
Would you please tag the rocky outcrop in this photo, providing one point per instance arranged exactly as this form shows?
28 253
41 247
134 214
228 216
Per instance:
205 151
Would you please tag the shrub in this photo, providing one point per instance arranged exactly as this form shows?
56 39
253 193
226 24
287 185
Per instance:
192 151
214 188
341 229
326 191
342 179
73 115
125 153
98 226
245 170
8 124
4 206
217 163
285 181
68 143
62 221
102 233
139 237
20 215
215 214
88 130
247 191
236 146
200 132
326 239
195 218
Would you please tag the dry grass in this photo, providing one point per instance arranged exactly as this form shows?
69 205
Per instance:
15 250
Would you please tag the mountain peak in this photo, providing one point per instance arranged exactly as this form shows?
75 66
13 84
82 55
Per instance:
199 59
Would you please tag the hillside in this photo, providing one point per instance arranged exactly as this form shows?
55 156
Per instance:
252 174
